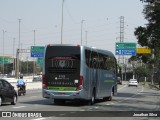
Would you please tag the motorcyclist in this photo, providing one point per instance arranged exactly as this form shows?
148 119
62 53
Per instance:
21 82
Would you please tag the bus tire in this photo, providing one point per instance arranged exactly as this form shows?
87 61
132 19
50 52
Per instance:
110 97
92 101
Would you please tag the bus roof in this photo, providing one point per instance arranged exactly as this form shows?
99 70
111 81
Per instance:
86 47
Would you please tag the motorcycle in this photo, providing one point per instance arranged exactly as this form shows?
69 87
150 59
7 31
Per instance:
21 90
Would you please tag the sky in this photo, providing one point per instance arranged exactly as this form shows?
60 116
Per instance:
100 26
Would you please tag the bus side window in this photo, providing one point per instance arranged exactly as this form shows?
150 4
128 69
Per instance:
94 60
101 61
88 58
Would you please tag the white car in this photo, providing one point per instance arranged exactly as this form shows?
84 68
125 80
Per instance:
133 82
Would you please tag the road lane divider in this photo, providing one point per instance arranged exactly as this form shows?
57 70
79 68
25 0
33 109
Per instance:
33 96
122 87
142 89
19 107
39 119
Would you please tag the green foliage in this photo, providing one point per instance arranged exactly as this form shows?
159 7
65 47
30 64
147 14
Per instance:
142 71
149 35
146 58
26 67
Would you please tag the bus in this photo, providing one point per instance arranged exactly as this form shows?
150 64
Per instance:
74 72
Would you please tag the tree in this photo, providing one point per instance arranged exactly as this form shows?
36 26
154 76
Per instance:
142 71
149 35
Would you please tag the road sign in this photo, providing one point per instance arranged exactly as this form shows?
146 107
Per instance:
123 45
143 51
40 62
126 49
37 51
6 60
37 54
126 52
37 48
5 56
24 50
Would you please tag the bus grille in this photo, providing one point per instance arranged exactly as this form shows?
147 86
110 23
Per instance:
62 70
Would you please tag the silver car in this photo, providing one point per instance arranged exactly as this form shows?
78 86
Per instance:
133 82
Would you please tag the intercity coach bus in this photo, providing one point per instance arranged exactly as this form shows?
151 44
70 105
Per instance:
74 72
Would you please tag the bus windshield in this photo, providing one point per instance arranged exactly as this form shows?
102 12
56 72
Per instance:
62 67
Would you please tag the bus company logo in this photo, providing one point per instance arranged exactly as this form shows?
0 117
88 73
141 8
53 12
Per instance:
62 63
6 114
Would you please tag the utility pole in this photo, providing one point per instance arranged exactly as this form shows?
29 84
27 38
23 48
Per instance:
81 30
86 37
121 58
152 76
33 60
62 23
3 50
13 57
18 51
121 28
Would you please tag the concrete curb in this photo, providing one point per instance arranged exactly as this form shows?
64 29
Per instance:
151 86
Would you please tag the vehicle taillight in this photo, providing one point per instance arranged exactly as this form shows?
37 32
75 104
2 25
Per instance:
80 83
44 82
78 46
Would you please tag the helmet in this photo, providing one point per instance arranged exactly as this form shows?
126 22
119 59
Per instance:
21 76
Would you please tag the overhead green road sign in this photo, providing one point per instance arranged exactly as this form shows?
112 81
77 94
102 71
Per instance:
37 51
40 61
125 45
6 60
123 48
37 48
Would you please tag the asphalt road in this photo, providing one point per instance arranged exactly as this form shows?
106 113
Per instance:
138 100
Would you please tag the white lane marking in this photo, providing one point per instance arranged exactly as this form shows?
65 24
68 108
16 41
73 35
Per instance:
107 104
110 103
19 107
139 92
72 112
142 89
122 87
82 110
62 114
96 107
39 119
33 96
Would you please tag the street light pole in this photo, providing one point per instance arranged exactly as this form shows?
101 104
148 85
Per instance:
34 61
3 50
81 29
18 51
62 22
86 37
13 55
